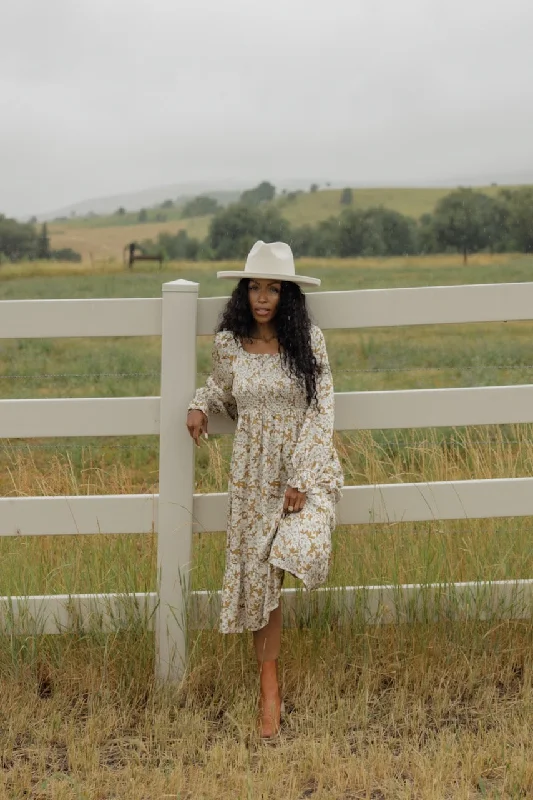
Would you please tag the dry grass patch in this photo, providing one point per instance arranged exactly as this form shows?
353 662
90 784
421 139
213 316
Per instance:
428 712
108 243
437 261
107 259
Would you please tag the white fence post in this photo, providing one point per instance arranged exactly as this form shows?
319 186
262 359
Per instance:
176 476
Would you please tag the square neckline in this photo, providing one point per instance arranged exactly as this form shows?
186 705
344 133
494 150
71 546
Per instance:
248 353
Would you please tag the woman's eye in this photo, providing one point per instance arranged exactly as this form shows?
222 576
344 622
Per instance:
258 289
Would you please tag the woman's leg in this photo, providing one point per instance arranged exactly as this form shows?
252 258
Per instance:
267 640
267 643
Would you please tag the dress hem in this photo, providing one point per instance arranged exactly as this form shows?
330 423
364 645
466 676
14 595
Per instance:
279 563
244 629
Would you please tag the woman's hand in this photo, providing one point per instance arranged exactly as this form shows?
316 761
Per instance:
294 499
197 424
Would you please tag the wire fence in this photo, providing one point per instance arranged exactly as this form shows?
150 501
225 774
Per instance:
371 370
69 375
104 443
379 440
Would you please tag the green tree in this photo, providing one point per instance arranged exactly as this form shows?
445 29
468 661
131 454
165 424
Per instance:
180 247
143 215
426 236
234 230
346 197
313 188
167 204
500 237
291 196
303 241
325 243
43 243
519 219
201 206
273 226
17 240
120 211
375 232
397 231
65 254
263 193
352 234
462 220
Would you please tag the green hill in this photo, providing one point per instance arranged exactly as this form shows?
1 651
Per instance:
107 235
311 208
299 208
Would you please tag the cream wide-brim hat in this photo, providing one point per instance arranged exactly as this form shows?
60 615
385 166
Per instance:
272 261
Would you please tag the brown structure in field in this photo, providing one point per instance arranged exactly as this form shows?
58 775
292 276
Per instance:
136 253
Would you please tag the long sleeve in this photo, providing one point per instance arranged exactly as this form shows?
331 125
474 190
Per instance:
216 396
314 459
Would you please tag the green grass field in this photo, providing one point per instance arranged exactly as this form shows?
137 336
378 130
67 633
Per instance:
434 711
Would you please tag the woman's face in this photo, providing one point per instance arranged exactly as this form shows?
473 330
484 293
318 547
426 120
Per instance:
264 299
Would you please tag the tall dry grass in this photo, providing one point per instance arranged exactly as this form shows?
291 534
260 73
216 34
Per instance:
427 711
104 262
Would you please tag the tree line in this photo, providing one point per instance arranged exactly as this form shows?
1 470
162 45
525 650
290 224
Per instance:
21 241
464 221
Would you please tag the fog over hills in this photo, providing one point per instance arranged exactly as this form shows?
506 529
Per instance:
229 191
223 191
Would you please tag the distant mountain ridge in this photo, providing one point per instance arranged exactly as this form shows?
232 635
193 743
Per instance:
224 191
228 191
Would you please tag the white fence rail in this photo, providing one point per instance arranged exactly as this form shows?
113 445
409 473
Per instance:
382 503
175 513
412 408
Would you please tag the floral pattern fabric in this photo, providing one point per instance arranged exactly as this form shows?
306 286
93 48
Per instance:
279 441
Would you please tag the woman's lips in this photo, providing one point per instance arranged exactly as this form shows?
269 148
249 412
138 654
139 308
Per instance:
262 312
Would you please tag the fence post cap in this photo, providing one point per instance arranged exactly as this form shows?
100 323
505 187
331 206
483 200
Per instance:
181 285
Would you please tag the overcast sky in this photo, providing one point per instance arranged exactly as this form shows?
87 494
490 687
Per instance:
99 97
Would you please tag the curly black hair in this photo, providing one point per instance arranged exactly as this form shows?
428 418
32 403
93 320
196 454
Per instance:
293 329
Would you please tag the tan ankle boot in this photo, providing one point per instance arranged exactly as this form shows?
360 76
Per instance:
270 704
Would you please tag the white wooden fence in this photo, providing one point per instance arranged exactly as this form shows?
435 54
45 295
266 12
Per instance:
178 317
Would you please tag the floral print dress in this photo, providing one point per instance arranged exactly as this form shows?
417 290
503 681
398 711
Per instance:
279 441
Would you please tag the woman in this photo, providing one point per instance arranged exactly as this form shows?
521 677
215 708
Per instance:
271 372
